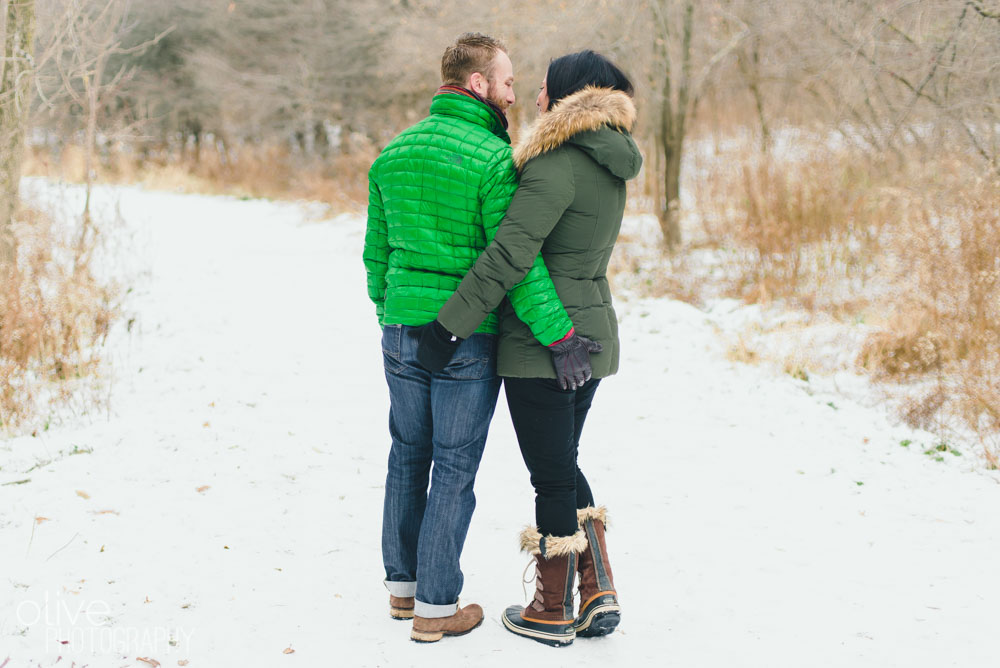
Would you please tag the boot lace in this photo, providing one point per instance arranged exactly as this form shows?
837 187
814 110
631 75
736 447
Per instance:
525 580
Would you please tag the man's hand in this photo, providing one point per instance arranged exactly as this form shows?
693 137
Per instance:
436 345
571 358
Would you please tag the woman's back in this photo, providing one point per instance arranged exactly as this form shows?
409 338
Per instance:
577 157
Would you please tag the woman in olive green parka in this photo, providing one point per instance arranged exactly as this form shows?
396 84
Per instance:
573 167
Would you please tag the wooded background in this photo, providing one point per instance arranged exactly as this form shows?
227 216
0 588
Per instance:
170 81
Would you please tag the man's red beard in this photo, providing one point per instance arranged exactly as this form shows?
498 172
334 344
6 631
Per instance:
492 97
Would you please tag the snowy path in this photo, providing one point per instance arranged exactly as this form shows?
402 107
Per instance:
229 507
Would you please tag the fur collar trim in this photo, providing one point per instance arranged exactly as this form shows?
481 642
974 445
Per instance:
587 109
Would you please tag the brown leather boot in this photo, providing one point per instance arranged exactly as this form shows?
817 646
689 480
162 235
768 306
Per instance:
599 609
549 618
432 629
401 607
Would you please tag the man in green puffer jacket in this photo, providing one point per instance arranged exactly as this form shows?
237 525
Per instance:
436 195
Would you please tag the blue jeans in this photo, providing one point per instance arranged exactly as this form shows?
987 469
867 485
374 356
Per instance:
440 419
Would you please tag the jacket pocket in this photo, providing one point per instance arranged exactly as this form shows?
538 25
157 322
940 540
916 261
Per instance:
475 359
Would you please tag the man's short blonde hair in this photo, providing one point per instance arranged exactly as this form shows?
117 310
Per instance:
471 52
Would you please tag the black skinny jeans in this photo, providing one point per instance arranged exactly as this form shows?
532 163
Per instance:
548 422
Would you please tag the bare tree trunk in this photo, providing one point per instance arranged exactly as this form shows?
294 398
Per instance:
749 64
653 174
674 121
15 85
320 140
670 214
90 149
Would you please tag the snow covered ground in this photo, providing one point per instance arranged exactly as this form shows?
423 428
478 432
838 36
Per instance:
226 511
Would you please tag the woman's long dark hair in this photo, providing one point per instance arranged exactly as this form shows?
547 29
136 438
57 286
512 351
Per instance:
568 74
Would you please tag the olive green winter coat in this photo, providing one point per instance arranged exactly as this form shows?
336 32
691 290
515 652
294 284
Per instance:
574 164
437 193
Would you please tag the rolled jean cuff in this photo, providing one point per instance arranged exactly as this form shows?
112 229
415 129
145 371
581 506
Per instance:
401 589
428 611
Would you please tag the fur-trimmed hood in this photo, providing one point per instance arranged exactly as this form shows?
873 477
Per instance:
597 120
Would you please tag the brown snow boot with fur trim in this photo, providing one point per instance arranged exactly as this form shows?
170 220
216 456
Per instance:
599 609
549 618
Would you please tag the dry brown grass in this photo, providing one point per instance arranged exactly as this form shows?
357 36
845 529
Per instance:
806 230
268 172
917 244
55 316
946 322
740 351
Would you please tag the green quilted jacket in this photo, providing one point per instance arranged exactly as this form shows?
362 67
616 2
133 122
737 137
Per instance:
574 165
437 194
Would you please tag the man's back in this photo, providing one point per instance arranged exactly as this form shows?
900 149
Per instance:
437 195
432 192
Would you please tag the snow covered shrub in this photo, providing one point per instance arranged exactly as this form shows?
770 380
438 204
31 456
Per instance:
55 316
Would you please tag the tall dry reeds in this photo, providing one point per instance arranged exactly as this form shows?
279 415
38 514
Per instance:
944 331
806 227
55 316
912 247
